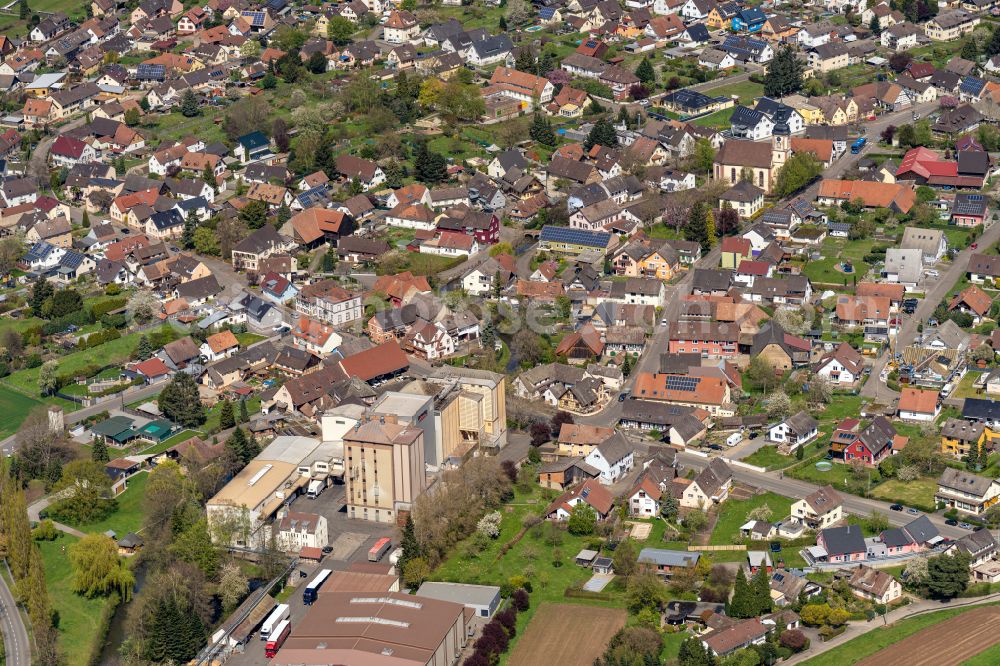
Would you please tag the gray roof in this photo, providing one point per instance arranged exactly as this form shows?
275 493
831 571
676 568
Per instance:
460 593
908 264
926 240
977 542
844 540
615 448
962 430
668 558
801 423
713 477
964 482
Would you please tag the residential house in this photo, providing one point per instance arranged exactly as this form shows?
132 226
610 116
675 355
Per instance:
840 544
873 444
746 199
710 486
259 245
966 492
613 458
918 405
219 346
960 437
950 25
590 493
328 302
797 430
875 585
820 510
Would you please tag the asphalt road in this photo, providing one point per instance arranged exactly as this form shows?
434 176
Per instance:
15 635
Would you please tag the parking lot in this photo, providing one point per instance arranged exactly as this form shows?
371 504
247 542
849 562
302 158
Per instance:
350 540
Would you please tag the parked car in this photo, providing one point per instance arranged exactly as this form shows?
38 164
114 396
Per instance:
965 526
622 396
896 507
913 511
951 521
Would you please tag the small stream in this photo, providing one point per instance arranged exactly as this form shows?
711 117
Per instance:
116 632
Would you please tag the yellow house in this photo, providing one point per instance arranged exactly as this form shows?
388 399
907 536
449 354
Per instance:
656 265
320 28
716 20
811 114
958 437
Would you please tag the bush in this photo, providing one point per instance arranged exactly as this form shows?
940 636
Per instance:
520 600
46 531
794 640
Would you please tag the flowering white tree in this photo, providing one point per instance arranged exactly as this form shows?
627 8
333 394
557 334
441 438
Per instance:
489 525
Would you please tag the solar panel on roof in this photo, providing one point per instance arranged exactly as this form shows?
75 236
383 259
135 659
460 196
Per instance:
682 383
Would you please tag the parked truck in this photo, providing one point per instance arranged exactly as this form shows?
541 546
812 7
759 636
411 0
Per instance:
380 548
279 614
316 488
278 637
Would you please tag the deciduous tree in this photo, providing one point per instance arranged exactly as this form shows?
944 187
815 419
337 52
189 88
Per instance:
97 568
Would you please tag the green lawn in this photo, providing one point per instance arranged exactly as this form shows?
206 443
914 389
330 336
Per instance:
839 477
246 338
965 389
662 232
128 517
19 325
718 119
733 514
747 91
768 456
835 251
868 644
918 494
114 352
79 617
840 408
14 407
173 126
672 645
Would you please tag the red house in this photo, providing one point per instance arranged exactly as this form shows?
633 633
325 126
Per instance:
484 226
873 444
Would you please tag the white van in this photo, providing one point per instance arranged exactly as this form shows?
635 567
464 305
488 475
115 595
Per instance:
734 439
